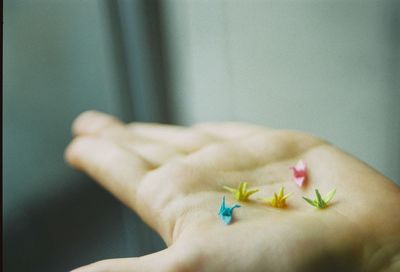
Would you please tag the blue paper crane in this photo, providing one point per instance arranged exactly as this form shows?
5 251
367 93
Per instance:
225 212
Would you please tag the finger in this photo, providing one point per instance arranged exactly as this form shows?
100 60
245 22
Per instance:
116 169
255 151
155 153
105 126
92 122
165 260
184 139
229 130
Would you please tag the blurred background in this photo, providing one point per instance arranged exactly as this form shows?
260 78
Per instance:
330 68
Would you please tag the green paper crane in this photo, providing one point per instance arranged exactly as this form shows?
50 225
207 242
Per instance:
319 202
241 193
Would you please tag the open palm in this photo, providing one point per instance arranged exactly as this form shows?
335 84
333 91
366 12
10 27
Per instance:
173 177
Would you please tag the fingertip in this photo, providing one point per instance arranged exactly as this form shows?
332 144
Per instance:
75 148
79 123
91 122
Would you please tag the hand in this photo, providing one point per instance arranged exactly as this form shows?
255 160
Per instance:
173 177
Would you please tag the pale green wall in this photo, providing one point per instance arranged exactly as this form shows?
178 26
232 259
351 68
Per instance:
330 68
59 59
55 66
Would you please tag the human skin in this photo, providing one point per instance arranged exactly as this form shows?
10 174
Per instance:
173 178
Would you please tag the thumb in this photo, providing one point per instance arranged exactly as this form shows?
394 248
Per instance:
166 260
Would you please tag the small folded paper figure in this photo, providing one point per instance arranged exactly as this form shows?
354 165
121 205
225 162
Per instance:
320 202
279 200
225 212
241 192
300 173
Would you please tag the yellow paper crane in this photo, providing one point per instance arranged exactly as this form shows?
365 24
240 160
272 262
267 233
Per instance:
278 200
241 193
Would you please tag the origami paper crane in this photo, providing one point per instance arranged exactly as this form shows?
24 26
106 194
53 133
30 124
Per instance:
320 202
241 192
300 173
225 212
279 200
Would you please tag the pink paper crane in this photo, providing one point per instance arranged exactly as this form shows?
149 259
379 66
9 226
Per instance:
300 173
